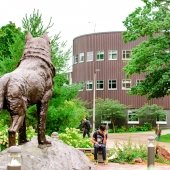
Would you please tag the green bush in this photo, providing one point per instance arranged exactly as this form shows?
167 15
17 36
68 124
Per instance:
73 138
132 129
4 135
121 130
30 132
127 152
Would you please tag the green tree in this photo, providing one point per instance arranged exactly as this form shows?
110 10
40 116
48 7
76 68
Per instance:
63 109
151 57
60 55
11 47
151 113
67 114
110 109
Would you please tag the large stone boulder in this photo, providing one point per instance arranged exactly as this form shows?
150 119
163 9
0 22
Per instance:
57 157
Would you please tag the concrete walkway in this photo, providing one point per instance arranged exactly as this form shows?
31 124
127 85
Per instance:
135 138
116 166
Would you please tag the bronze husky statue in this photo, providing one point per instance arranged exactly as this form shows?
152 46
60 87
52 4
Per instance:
30 83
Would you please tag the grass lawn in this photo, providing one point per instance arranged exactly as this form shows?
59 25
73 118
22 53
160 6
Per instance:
165 138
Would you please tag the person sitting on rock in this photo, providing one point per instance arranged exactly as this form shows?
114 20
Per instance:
99 140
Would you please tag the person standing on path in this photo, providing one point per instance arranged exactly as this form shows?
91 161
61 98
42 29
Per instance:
86 127
158 132
99 140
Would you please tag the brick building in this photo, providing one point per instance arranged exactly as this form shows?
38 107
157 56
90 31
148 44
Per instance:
103 55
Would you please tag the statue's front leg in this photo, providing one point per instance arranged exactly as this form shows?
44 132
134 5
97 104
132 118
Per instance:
42 109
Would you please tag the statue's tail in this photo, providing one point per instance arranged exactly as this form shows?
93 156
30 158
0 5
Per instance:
3 84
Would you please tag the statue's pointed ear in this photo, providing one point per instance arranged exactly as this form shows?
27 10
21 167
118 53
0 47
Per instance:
45 36
28 36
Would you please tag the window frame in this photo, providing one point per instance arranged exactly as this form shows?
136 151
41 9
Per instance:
138 81
131 112
112 84
89 54
162 122
125 53
99 83
88 83
76 59
81 55
110 53
99 54
125 88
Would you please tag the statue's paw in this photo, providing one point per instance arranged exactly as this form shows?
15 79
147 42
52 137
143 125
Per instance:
21 142
44 144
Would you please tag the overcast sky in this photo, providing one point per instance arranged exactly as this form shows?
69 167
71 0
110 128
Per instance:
71 17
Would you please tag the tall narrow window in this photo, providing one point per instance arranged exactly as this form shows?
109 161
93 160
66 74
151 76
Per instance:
90 56
81 57
112 54
76 59
100 84
100 56
89 85
112 85
126 54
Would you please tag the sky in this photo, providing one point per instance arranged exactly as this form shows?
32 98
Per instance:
71 18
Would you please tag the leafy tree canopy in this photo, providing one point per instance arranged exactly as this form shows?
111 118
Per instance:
60 55
11 47
151 57
110 109
150 113
64 110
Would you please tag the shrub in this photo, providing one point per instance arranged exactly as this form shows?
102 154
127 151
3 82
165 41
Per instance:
73 138
4 135
127 152
121 130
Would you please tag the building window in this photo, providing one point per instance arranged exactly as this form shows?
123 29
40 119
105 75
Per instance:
100 56
112 85
126 84
89 85
138 82
112 55
90 56
132 117
162 119
100 84
76 59
81 57
126 54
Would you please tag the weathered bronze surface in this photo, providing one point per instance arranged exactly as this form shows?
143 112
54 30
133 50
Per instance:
30 83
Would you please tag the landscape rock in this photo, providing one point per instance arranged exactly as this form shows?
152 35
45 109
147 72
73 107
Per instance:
162 152
57 157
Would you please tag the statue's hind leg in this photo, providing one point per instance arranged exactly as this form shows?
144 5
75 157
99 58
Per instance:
41 111
42 126
22 137
17 121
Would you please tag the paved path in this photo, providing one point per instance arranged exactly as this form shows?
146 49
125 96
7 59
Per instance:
116 166
136 138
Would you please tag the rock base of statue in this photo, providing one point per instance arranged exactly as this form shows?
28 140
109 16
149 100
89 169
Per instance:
57 157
